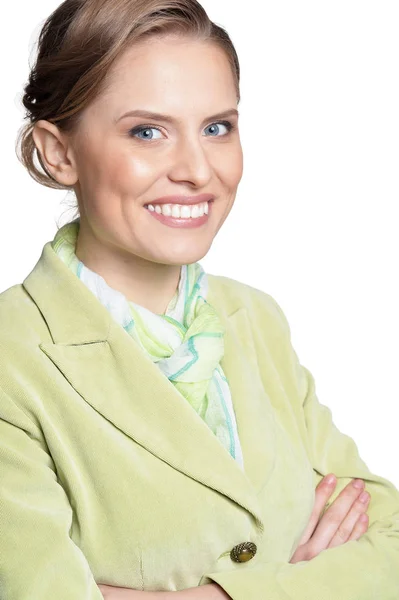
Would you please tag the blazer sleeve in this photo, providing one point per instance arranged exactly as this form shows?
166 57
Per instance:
363 569
38 559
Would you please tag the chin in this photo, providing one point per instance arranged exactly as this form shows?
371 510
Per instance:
182 258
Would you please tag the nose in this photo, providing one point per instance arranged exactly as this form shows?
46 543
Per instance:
190 163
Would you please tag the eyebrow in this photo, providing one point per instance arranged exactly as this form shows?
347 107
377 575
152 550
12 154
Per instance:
145 114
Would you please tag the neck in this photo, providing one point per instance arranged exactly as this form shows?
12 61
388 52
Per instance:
143 282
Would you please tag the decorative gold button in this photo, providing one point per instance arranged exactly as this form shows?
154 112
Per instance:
243 552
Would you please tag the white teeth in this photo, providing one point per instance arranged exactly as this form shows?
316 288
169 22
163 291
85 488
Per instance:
180 211
195 211
185 211
166 210
175 211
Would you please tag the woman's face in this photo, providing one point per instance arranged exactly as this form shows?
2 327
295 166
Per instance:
124 163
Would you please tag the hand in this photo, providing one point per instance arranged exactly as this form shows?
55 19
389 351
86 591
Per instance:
343 521
111 592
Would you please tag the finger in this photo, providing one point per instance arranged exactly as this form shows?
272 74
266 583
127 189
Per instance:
322 494
334 515
360 528
345 529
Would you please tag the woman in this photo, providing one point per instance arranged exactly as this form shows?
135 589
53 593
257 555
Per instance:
158 434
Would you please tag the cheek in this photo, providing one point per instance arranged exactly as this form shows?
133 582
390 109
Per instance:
230 168
131 171
141 167
114 171
239 167
100 165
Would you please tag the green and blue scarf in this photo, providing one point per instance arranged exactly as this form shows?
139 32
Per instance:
186 343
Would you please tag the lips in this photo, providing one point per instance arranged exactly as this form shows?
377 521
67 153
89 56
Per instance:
185 200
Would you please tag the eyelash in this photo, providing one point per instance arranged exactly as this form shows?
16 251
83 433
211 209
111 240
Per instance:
228 124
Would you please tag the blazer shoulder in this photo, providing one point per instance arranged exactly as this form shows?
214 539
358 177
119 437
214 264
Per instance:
259 304
20 319
15 302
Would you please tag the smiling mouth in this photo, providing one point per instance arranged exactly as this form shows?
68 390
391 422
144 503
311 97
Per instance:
180 211
182 222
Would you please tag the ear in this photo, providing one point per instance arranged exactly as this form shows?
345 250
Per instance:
55 153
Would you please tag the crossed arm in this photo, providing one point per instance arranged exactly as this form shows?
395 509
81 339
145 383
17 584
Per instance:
346 519
210 591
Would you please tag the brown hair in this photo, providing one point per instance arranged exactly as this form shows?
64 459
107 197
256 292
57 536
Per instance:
77 46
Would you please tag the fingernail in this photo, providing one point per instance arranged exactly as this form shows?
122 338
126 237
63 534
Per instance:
358 483
363 497
330 479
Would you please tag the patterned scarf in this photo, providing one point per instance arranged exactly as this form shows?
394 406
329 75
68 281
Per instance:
186 342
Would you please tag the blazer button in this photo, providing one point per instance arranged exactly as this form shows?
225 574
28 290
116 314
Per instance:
243 552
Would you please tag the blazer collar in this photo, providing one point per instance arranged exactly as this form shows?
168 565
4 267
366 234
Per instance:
110 372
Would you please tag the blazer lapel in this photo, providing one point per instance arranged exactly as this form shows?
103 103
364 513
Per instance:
110 371
252 406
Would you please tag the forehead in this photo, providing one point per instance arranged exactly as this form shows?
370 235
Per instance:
162 63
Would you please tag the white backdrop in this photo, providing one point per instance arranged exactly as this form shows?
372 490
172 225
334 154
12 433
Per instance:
314 223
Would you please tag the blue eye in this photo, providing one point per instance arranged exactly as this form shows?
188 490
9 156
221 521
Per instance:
147 128
225 124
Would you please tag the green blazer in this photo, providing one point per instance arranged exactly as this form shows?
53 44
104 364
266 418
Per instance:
107 475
